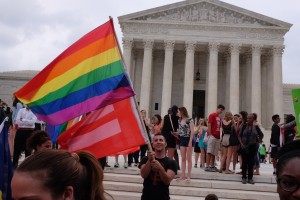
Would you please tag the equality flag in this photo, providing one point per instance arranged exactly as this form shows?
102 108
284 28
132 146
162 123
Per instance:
6 169
55 130
296 103
107 131
87 76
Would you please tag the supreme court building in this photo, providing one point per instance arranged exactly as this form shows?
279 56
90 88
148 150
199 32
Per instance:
201 53
198 54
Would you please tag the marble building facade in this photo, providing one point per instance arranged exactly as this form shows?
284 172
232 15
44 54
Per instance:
197 54
237 52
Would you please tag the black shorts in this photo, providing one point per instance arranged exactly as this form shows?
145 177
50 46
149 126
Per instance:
184 141
171 142
274 152
197 148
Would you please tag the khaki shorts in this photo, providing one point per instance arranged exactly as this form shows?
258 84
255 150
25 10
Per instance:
213 145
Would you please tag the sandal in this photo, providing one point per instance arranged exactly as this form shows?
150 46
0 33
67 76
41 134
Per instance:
229 172
188 180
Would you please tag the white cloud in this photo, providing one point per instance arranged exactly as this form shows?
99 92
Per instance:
33 33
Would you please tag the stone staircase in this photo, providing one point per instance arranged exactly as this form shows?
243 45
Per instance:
126 184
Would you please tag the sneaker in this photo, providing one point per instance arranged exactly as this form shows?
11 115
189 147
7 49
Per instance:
244 181
214 169
125 165
207 169
250 181
116 165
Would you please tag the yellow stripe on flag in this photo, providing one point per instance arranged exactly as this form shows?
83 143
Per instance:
84 67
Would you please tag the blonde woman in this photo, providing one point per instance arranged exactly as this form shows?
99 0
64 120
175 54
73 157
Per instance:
202 128
186 133
228 127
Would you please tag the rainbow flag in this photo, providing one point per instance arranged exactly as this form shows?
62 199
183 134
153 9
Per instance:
87 76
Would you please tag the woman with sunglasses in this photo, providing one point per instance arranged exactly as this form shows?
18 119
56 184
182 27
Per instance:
288 171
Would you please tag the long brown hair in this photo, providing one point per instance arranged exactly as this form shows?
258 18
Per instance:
58 169
183 112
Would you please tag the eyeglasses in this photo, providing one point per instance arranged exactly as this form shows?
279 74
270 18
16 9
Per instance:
287 184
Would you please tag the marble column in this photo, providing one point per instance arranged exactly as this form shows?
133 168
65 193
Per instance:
234 89
228 59
256 81
277 80
188 88
146 76
248 77
127 49
167 77
270 87
264 91
212 79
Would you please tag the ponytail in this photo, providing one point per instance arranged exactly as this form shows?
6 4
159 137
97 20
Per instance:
58 169
94 175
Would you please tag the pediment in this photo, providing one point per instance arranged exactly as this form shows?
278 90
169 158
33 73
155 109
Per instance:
205 11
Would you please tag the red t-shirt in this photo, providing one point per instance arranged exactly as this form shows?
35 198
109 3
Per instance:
215 120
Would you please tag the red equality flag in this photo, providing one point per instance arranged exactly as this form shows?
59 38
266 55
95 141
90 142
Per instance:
107 131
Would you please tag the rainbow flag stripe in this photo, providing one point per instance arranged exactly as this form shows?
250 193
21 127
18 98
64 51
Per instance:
85 77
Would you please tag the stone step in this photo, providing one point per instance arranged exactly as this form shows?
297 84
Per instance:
201 174
121 195
218 184
194 191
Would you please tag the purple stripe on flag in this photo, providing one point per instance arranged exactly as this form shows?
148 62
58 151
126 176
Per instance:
87 106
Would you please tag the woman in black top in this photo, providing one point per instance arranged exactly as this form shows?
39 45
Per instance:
248 137
169 125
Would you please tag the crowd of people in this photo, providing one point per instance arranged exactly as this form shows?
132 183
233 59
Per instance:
235 138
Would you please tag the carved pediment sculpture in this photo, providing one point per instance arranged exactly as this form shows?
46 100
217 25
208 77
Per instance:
204 12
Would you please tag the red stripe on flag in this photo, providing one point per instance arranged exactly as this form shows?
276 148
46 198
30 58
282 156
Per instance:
106 131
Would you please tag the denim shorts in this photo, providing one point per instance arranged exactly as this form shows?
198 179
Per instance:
184 141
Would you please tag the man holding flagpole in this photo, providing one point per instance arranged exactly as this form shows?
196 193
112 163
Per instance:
158 171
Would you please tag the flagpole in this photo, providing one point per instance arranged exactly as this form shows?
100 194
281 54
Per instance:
135 100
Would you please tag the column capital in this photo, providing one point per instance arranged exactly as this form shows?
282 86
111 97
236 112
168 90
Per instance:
256 48
190 45
148 44
277 50
127 43
213 46
169 44
235 48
